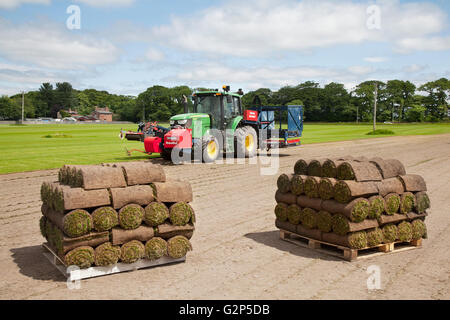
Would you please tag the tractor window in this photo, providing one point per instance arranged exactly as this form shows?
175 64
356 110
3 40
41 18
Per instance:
236 106
228 107
209 105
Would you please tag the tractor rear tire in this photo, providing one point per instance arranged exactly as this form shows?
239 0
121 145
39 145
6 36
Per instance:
167 155
246 142
210 149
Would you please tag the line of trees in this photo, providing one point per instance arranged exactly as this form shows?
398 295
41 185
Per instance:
397 101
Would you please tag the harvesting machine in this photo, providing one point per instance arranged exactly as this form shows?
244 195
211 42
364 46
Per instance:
218 124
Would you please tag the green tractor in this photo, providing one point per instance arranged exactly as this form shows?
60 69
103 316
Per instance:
217 125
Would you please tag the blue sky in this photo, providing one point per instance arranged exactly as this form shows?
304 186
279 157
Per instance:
126 46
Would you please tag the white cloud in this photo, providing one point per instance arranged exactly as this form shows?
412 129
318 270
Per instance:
375 59
107 3
409 45
262 28
10 4
414 68
51 46
154 55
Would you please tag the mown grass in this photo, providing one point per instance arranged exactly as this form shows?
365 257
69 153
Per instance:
38 147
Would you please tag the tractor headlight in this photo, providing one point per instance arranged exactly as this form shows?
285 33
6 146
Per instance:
182 122
172 122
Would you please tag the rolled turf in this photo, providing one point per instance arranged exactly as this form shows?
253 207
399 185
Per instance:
419 229
422 202
315 168
105 218
132 251
413 183
407 200
342 226
281 211
284 183
392 203
345 191
131 216
173 191
312 187
377 206
356 240
106 254
180 213
288 198
359 171
306 202
77 223
392 185
389 168
177 247
390 233
43 226
326 188
324 219
405 231
356 211
167 231
301 167
294 213
155 248
308 218
374 237
83 257
297 185
156 213
141 195
329 168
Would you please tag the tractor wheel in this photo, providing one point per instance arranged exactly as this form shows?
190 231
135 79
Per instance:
246 142
210 149
167 154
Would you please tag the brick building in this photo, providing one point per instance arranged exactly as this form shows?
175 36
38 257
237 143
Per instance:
103 114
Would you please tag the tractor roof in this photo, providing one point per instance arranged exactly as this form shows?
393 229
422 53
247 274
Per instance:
218 93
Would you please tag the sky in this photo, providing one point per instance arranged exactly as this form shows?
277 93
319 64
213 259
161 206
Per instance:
126 46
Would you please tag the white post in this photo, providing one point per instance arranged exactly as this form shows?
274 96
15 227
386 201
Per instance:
23 105
375 108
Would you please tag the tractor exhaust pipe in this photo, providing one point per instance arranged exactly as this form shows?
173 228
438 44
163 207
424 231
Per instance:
185 104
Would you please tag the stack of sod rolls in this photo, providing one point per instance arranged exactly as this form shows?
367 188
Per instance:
104 214
353 202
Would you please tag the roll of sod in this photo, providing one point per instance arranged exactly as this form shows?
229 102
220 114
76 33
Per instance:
308 218
315 234
313 203
141 195
392 185
293 214
395 218
345 191
172 191
287 198
326 188
301 167
413 183
106 254
105 218
131 216
377 206
419 229
284 183
297 184
413 216
390 233
312 187
155 248
99 177
83 257
132 251
422 202
392 203
405 231
359 171
324 219
315 167
375 237
156 213
357 240
120 236
342 226
180 214
177 247
407 200
389 168
281 211
329 168
356 211
141 173
43 226
286 225
167 231
77 223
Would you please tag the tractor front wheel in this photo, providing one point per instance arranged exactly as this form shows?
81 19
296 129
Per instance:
210 149
246 142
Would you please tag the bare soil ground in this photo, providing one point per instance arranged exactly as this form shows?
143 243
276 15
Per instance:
237 251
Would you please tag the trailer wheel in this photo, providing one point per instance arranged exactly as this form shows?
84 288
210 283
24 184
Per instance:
210 149
246 142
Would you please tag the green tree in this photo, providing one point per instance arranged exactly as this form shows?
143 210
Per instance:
399 96
436 102
8 111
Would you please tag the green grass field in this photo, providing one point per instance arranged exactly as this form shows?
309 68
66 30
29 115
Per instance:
38 147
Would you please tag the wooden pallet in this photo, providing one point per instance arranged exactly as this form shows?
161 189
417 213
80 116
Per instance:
345 252
92 272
